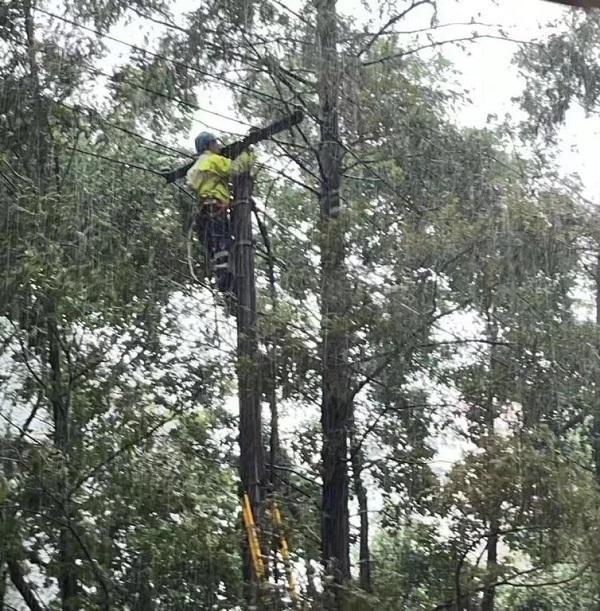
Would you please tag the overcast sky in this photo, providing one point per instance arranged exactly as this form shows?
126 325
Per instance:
494 81
487 72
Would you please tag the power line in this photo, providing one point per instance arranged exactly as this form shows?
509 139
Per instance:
159 55
176 62
338 140
189 31
82 110
128 164
136 166
120 80
117 80
341 144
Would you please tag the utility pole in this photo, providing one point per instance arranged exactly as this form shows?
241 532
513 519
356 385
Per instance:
252 455
252 466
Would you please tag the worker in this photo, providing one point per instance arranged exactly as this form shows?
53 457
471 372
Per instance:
209 178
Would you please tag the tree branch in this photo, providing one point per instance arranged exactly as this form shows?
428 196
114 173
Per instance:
450 604
439 43
23 587
390 23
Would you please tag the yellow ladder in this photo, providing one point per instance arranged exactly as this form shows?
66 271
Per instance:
255 552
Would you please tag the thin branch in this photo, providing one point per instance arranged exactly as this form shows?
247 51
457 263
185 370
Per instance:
450 604
297 15
390 23
297 473
429 28
439 43
33 413
23 433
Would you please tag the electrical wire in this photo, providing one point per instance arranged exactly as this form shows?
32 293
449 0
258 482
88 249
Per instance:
83 110
175 62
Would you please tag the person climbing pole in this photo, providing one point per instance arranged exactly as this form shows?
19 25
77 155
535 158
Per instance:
209 178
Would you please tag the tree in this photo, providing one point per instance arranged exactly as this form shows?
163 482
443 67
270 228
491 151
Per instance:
91 259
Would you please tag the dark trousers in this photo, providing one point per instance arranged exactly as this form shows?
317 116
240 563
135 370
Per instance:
214 232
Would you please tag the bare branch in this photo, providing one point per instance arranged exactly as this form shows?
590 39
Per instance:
450 604
429 28
390 23
438 43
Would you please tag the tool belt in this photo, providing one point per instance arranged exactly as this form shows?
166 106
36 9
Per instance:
213 207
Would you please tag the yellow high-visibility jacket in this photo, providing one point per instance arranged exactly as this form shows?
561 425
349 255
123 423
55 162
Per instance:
209 176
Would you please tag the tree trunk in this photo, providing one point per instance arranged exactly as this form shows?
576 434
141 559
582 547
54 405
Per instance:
595 432
40 133
24 589
274 448
363 510
57 395
595 429
489 593
252 456
58 399
3 576
335 407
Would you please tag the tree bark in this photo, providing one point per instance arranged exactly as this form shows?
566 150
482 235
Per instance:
363 510
252 455
58 398
595 429
40 133
489 594
336 402
595 432
3 576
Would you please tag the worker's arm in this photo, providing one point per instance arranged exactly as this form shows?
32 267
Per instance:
194 176
242 163
233 149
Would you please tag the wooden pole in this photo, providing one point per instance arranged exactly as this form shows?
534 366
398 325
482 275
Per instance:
252 454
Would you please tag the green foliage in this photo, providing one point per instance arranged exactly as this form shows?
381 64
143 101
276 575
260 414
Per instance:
415 568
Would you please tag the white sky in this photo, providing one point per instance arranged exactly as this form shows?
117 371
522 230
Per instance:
494 81
487 71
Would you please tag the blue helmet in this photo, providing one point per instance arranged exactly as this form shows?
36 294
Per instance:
203 140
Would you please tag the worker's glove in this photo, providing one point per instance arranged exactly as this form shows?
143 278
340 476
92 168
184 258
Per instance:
242 163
